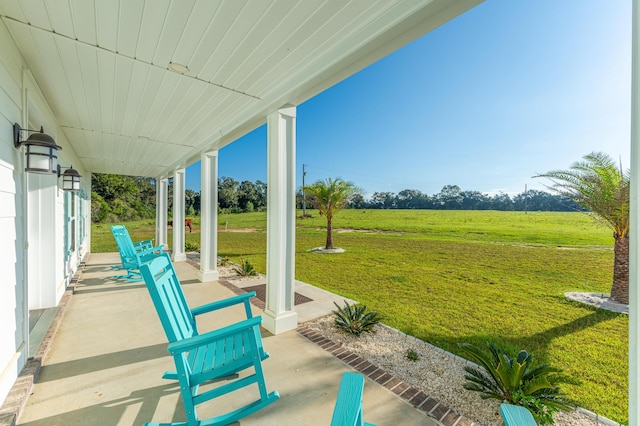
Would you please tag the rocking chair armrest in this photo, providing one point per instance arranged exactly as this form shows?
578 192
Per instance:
148 251
143 244
225 303
212 336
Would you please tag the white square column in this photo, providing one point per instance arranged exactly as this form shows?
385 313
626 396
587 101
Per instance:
209 217
279 315
162 194
634 234
178 254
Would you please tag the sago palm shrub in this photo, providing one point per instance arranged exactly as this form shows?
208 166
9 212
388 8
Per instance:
517 381
354 319
245 269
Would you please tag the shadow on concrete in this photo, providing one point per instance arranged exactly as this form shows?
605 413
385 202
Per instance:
92 364
145 402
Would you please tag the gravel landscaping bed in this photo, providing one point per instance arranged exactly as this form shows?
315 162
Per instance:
437 373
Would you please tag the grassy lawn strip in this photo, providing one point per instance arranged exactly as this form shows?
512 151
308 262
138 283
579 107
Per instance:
452 277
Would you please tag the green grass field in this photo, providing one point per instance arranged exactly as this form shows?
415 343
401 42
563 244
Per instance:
463 276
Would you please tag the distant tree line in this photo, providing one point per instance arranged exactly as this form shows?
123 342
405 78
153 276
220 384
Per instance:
116 198
451 197
125 198
122 198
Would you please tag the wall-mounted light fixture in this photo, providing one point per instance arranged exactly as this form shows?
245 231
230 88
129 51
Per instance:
70 178
41 152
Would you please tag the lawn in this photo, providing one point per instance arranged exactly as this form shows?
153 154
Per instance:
463 276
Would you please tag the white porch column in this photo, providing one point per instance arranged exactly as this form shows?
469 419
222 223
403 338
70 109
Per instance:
178 215
279 315
162 193
209 216
634 253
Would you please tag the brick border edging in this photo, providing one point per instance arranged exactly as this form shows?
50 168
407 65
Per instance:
416 398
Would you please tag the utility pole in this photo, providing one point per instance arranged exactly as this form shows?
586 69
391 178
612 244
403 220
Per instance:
304 204
526 198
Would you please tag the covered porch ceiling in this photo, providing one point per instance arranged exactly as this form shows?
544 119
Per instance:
105 66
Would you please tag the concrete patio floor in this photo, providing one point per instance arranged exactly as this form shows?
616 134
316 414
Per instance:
105 364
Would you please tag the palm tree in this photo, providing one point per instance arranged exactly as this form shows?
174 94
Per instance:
329 197
602 187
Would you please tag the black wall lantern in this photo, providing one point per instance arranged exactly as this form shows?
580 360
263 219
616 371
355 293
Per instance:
70 179
41 152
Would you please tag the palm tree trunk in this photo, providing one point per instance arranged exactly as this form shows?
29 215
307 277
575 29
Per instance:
620 288
329 244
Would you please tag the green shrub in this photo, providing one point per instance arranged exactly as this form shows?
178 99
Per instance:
517 381
354 320
99 208
191 246
412 355
246 269
224 261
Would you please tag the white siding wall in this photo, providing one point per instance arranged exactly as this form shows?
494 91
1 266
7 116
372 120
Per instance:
13 315
32 208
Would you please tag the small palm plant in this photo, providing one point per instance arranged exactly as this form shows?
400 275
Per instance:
516 381
354 320
246 269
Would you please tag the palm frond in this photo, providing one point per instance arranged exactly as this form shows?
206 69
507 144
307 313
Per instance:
598 185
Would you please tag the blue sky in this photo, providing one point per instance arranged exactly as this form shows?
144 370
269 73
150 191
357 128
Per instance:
503 92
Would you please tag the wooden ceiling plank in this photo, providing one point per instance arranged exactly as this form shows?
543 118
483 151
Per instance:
36 13
229 44
55 88
209 126
168 85
328 39
129 20
107 83
13 9
299 34
150 91
172 105
188 118
90 74
84 20
201 104
200 21
223 19
107 13
274 42
139 76
175 24
68 52
123 74
254 43
61 18
153 20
